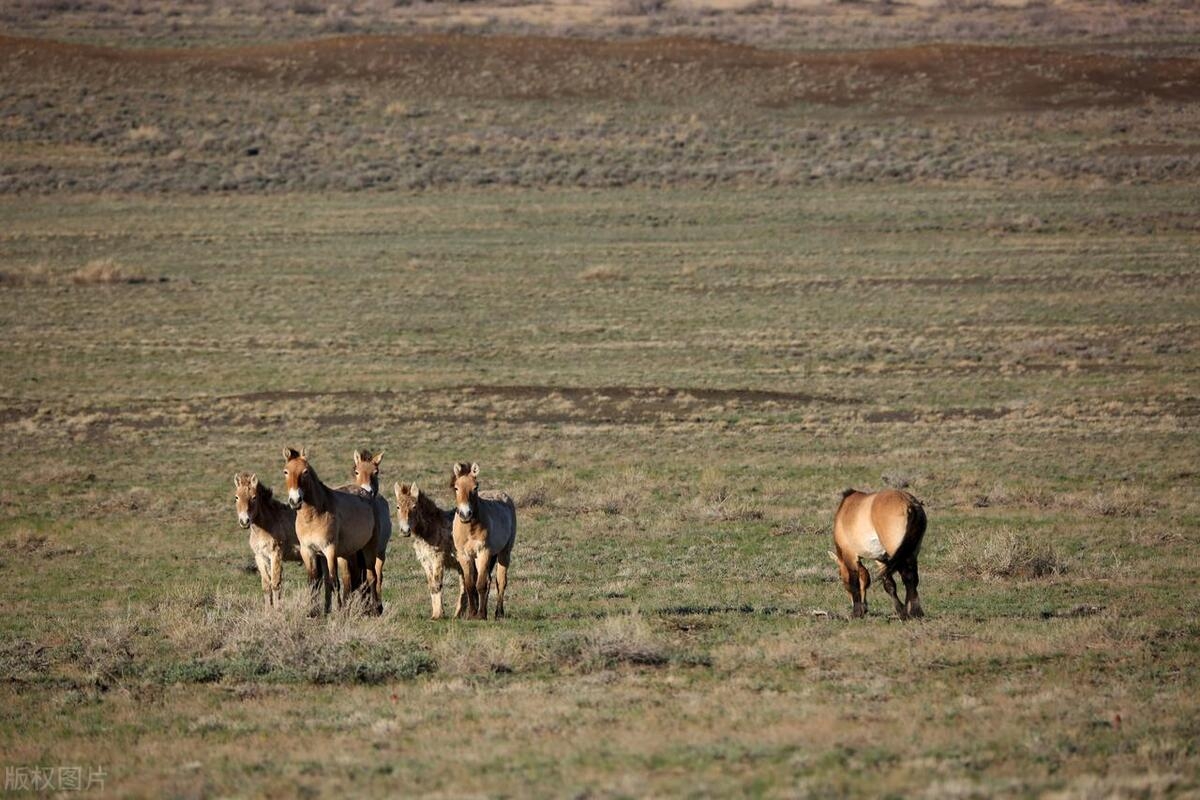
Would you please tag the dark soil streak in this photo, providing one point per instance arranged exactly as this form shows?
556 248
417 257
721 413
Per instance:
540 67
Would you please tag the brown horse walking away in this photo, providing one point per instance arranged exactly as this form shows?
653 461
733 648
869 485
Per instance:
433 542
887 527
331 525
485 527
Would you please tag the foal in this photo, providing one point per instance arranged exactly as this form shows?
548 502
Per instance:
272 528
887 527
432 528
485 527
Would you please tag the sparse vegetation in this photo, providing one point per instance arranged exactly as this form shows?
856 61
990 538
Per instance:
104 271
674 297
1005 554
674 511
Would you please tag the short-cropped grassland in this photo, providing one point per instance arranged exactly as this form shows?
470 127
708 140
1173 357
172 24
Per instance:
674 385
674 274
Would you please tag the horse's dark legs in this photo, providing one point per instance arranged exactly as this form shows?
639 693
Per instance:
313 565
483 575
849 573
379 560
864 583
467 565
912 601
333 580
370 571
502 579
889 586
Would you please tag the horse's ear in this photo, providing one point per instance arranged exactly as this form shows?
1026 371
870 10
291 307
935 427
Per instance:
304 453
289 453
414 492
474 470
253 481
457 469
237 480
357 458
378 457
398 488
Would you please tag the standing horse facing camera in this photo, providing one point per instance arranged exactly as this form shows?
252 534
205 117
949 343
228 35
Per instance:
485 527
331 525
366 483
272 527
887 527
432 530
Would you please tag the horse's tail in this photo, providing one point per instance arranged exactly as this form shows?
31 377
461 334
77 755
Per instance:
914 532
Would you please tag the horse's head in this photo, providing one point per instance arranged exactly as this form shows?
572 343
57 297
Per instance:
245 496
296 474
366 471
406 506
465 483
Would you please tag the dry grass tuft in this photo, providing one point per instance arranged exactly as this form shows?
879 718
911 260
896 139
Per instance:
38 544
22 660
1123 501
716 499
602 272
533 497
488 652
1004 554
37 275
108 654
222 634
623 639
1018 496
102 272
618 494
145 133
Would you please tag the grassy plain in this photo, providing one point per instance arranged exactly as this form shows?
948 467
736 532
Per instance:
673 296
674 385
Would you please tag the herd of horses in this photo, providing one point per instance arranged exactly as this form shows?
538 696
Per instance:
341 535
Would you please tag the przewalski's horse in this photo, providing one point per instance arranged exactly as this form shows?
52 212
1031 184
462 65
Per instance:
366 483
330 525
272 528
885 526
485 527
433 542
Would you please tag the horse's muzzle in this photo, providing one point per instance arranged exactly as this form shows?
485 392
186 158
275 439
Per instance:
243 523
294 505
